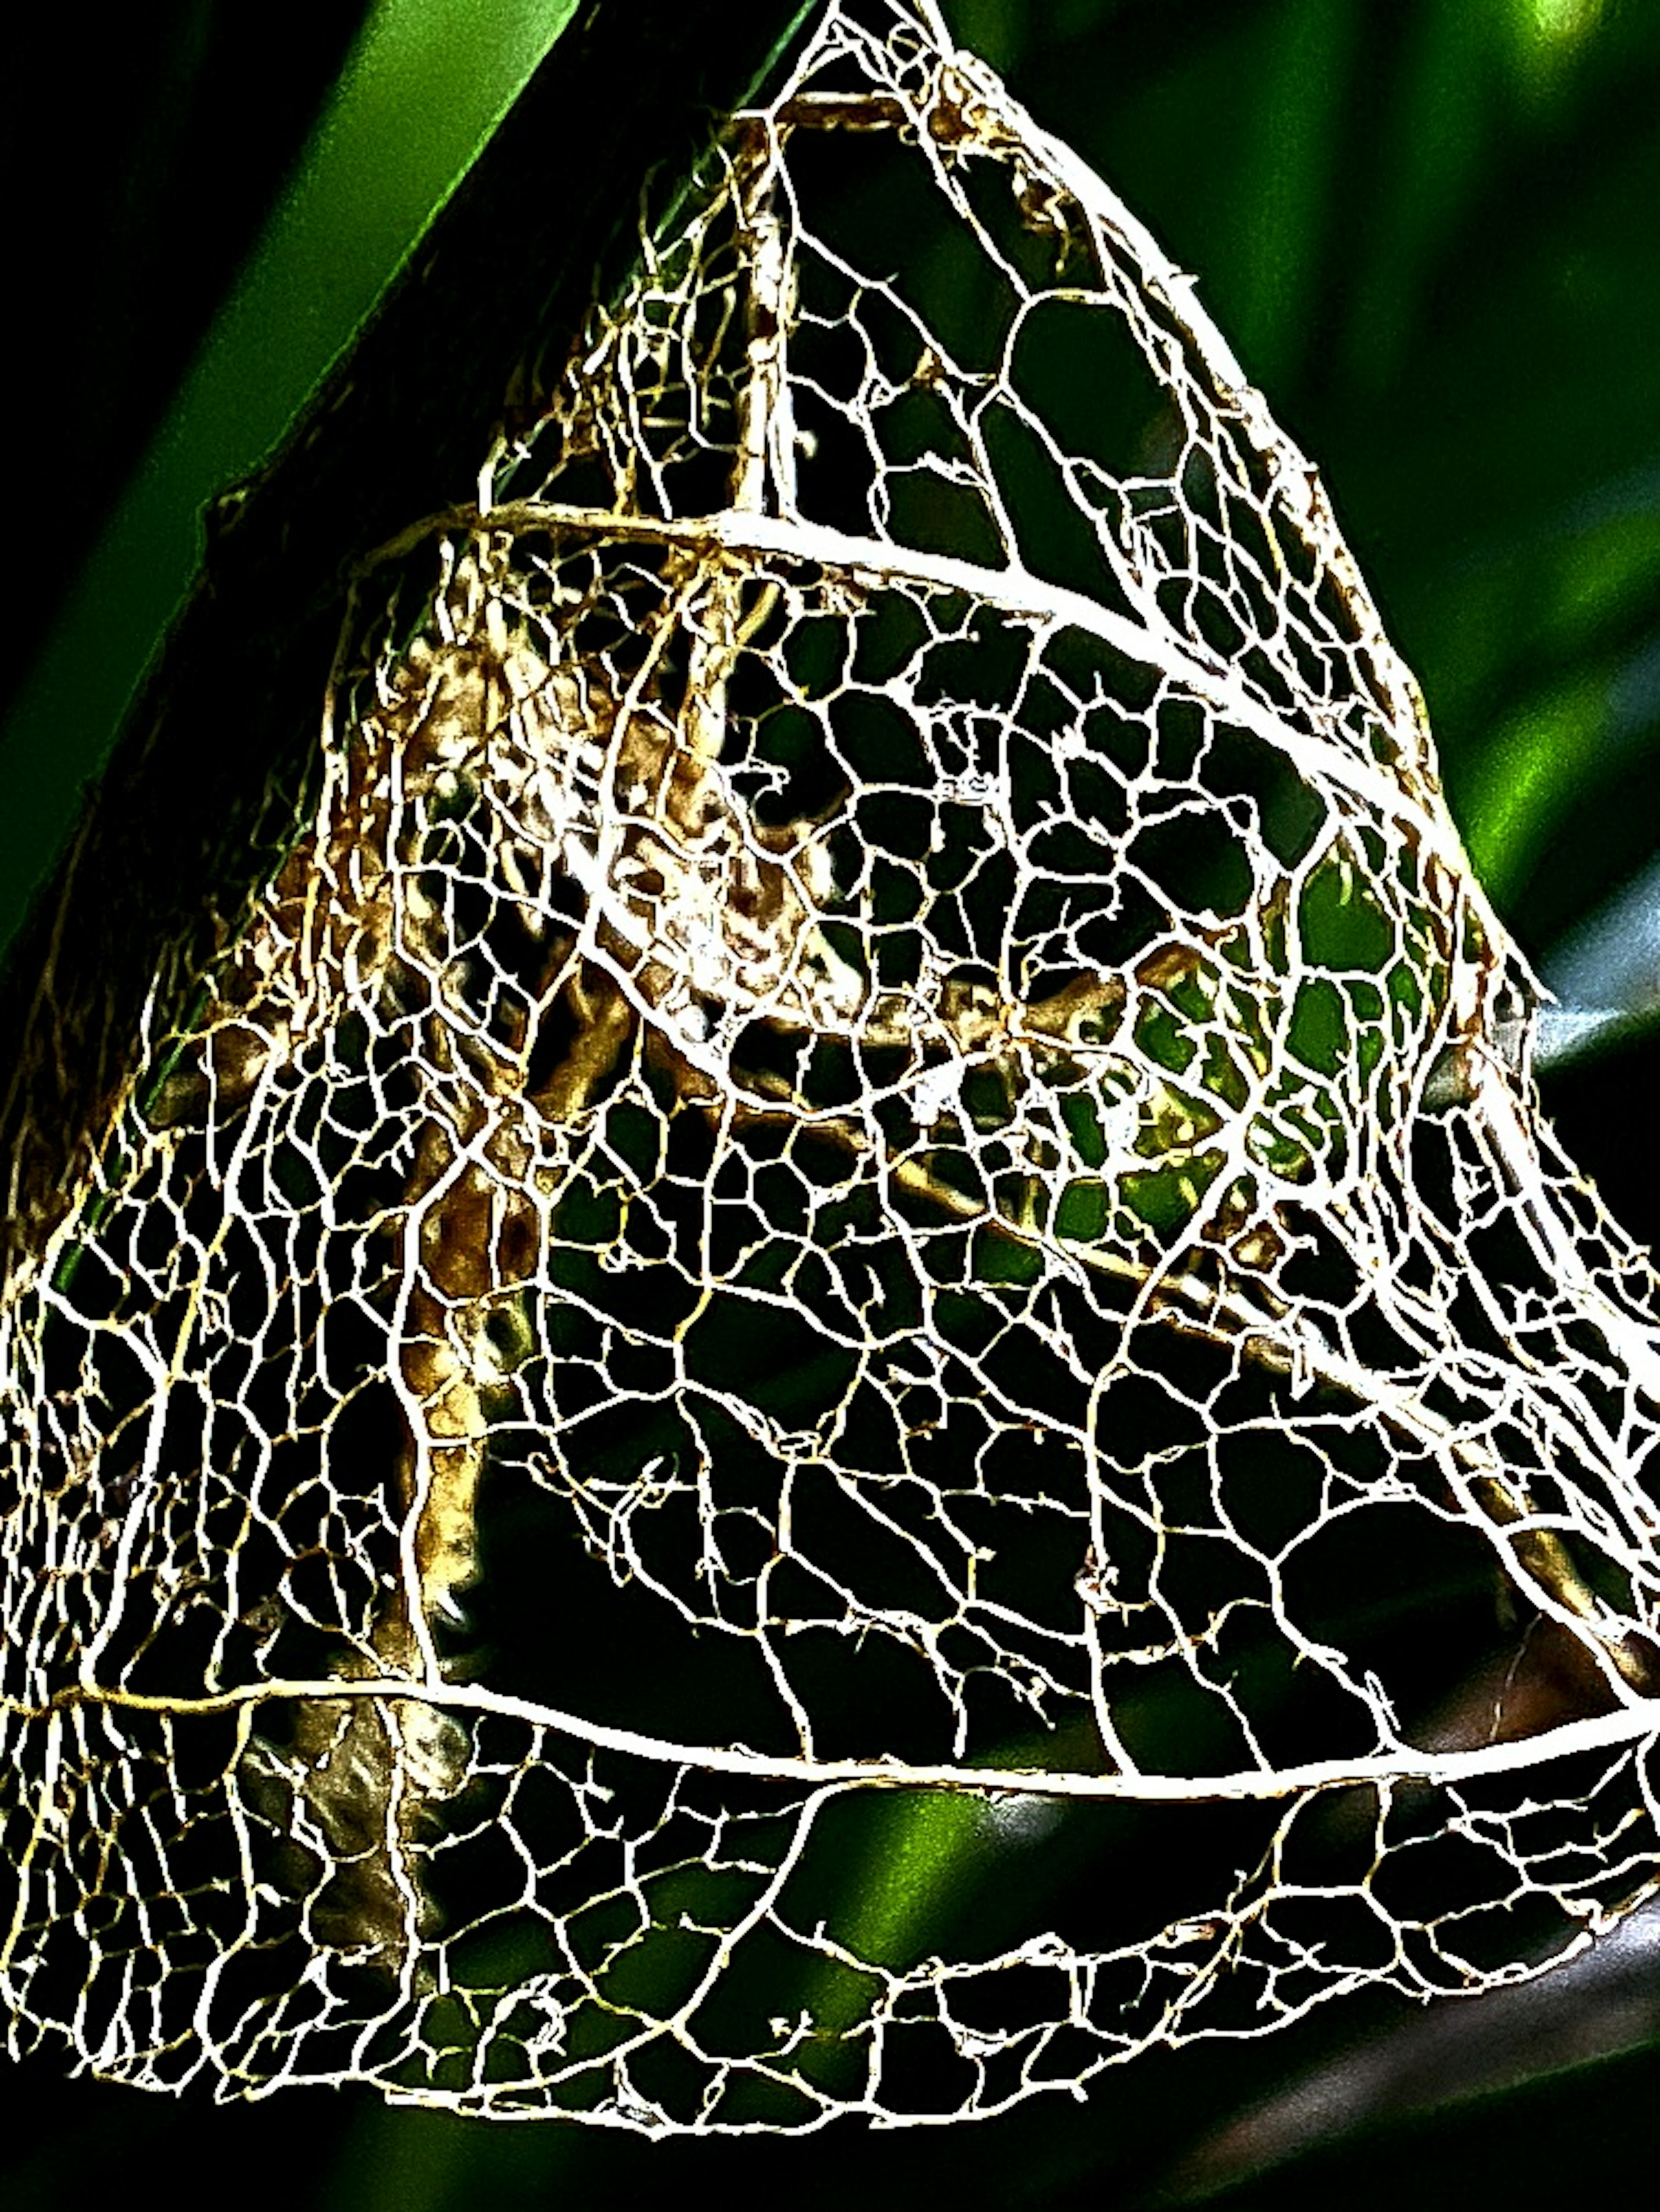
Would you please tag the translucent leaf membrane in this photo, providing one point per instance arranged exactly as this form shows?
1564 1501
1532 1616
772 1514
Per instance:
840 1368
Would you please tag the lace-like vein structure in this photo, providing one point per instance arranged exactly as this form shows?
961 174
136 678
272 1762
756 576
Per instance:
840 1368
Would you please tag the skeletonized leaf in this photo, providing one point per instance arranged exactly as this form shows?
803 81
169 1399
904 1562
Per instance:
867 1187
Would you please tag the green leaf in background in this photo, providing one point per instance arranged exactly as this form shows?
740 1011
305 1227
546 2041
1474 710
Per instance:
425 84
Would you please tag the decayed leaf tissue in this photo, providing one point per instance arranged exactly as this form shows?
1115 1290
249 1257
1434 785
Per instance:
871 1176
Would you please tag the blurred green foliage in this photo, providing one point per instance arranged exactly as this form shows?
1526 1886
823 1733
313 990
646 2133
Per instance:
422 87
1430 228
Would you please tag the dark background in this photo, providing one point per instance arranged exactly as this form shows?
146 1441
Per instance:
1431 229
